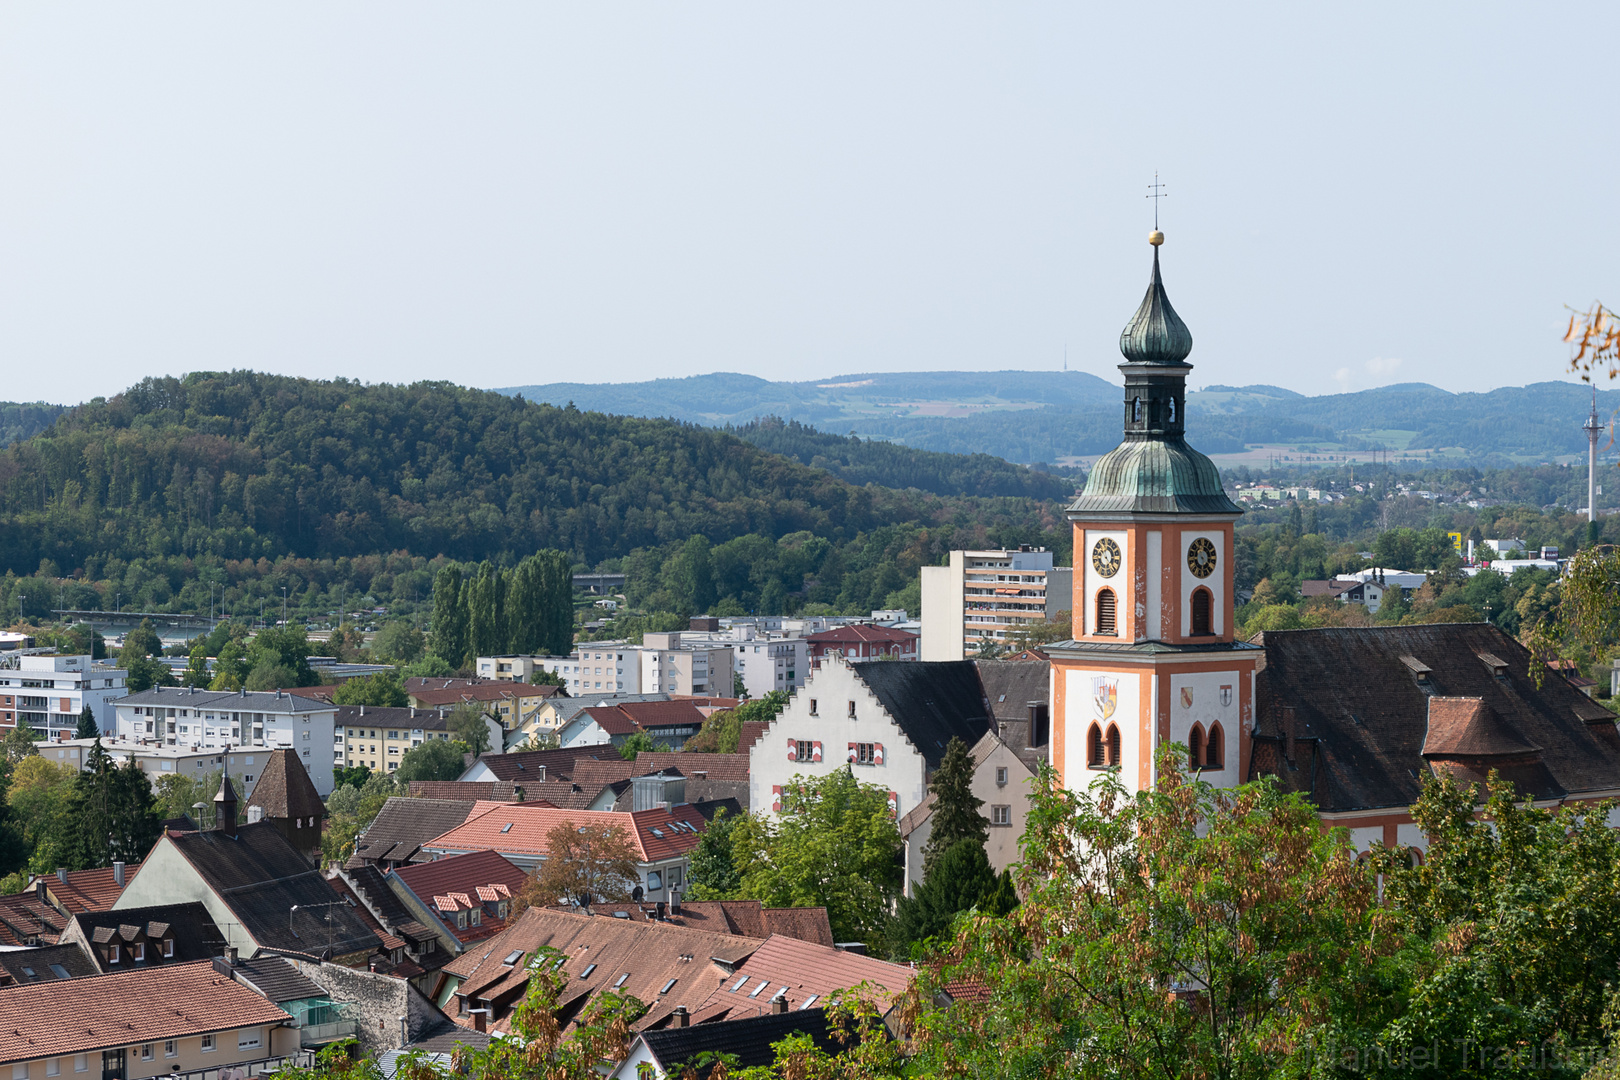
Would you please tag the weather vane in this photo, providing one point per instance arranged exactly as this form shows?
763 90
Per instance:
1156 192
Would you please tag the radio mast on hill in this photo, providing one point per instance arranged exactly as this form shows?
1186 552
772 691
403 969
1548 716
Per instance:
1593 429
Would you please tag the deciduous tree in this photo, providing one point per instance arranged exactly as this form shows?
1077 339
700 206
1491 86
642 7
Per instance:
382 689
435 759
599 862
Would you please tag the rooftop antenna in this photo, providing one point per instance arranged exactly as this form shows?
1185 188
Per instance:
1156 192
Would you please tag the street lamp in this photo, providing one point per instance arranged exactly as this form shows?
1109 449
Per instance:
284 605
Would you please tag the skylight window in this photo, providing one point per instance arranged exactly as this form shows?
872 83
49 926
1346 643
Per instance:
60 972
738 985
669 984
513 957
28 971
587 972
507 827
809 1001
763 983
621 981
656 831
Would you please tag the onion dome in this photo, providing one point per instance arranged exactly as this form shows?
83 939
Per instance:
1155 334
1154 476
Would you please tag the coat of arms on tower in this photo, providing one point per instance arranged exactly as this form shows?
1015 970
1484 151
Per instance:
1186 697
1226 697
1104 695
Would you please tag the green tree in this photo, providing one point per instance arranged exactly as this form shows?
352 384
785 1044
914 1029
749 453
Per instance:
231 666
540 605
140 642
1393 607
835 845
16 745
178 794
398 642
599 862
85 640
469 724
486 612
435 759
722 730
449 630
40 797
349 810
196 673
113 813
88 728
145 673
383 689
354 776
689 577
961 879
431 666
279 657
1181 931
637 742
713 873
956 809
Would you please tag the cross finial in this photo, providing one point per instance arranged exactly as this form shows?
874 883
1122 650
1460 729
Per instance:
1156 192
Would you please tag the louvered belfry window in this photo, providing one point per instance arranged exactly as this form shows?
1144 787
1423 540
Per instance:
1107 619
1202 622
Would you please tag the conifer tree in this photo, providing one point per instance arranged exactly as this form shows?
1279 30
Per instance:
114 813
956 808
88 728
449 617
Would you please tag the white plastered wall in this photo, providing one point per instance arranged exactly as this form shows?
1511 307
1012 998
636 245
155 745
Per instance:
1085 703
1215 583
1120 582
1197 697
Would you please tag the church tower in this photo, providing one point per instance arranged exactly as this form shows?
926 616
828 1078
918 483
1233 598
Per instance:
1153 660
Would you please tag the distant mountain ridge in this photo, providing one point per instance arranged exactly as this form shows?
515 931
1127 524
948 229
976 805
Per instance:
1035 416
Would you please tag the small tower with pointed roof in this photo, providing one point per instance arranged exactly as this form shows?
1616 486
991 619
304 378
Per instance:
1152 659
286 798
225 807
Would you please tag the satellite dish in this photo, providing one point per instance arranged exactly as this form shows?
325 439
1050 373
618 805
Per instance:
636 894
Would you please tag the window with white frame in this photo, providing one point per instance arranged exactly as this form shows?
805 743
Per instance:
53 1067
146 1051
247 1039
171 1048
207 1044
1001 775
1001 815
81 1062
19 1071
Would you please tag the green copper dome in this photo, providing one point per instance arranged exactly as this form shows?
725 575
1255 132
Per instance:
1155 476
1155 334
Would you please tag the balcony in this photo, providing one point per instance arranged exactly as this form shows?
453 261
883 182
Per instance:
311 1036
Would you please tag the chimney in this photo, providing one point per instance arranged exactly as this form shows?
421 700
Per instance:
225 808
679 1018
779 1004
1289 732
674 901
478 1019
362 710
230 955
660 911
118 873
61 874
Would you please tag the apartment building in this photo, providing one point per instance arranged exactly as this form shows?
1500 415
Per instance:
988 596
378 737
241 720
764 660
662 664
509 668
48 692
862 643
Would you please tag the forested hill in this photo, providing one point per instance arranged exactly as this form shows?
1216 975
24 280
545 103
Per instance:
242 465
22 420
868 461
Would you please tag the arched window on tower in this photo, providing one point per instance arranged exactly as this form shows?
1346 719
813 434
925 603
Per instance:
1136 410
1172 410
1203 623
1195 747
1214 750
1096 753
1107 613
1113 746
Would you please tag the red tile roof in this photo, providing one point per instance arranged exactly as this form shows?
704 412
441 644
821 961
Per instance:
840 635
77 1016
88 890
628 717
745 918
752 732
727 768
520 829
801 970
23 916
477 877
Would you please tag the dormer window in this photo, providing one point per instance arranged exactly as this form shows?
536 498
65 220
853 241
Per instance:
139 950
168 947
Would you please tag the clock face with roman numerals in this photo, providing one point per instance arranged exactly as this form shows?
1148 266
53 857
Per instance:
1201 557
1105 557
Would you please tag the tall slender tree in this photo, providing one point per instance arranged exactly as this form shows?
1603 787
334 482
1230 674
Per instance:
486 617
113 813
449 616
956 808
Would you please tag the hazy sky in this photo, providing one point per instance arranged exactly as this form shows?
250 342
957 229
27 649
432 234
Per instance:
502 194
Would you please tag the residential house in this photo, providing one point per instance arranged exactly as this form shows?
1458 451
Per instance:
463 899
669 722
666 967
396 835
803 974
666 1053
48 692
75 891
669 664
510 704
108 1026
1003 782
234 724
285 798
28 919
398 955
466 790
145 937
889 722
861 643
1369 593
663 838
745 918
527 766
319 1020
258 888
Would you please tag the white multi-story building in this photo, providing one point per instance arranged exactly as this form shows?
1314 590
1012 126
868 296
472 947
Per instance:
511 668
764 660
989 596
157 760
234 721
49 692
661 664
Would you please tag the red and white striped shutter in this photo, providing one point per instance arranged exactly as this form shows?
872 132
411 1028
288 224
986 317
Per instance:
852 753
894 805
815 751
877 753
776 798
793 750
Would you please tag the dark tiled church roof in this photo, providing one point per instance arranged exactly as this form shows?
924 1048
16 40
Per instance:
931 701
1362 699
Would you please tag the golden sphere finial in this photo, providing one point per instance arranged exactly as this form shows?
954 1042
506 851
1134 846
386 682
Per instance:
1155 237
